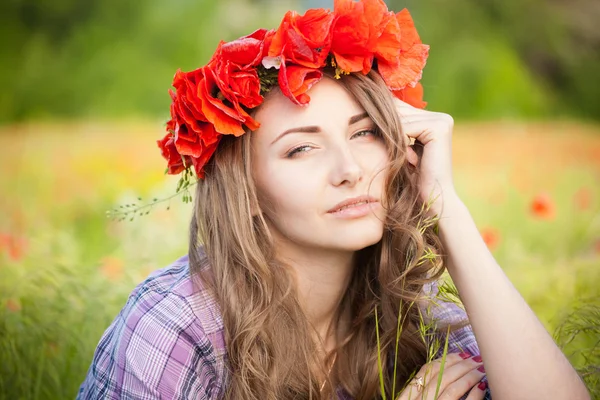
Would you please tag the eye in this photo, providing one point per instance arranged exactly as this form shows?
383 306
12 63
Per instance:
297 150
367 132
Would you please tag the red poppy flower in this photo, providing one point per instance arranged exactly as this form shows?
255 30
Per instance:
407 69
412 96
226 118
304 40
187 136
185 102
362 30
237 83
542 206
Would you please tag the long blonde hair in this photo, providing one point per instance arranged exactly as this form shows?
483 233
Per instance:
270 350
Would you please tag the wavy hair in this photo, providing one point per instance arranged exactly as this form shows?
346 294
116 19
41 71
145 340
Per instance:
270 350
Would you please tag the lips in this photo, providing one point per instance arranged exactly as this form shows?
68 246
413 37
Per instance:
352 202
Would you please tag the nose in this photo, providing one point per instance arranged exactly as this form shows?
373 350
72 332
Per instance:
346 168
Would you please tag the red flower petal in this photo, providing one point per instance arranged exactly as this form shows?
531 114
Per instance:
169 152
246 51
408 33
304 40
411 59
364 29
412 96
351 36
389 42
226 120
190 143
185 102
295 81
200 162
409 69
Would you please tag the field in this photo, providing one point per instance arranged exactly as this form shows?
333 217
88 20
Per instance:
66 269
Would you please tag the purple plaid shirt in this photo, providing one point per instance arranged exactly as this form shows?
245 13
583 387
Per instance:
168 343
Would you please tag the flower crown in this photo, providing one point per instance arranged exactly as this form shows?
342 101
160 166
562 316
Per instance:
215 100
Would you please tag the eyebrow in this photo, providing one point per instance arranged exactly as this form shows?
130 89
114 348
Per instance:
316 129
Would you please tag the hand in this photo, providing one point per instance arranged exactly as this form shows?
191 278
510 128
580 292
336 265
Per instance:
433 131
459 376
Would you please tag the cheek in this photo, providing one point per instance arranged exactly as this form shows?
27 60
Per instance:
376 158
284 192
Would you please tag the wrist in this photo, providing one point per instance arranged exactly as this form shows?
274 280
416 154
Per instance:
452 206
446 203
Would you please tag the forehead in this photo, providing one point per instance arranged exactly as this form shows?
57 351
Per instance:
330 105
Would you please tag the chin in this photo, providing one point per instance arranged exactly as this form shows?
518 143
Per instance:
359 239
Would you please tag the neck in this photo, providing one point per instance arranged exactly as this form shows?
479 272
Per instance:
322 278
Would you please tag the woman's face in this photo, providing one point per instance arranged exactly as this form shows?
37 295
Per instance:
320 170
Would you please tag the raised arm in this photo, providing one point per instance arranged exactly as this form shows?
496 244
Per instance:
521 359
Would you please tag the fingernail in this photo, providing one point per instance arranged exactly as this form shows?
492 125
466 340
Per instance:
481 369
477 359
482 385
464 355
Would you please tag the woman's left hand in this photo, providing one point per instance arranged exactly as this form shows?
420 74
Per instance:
433 130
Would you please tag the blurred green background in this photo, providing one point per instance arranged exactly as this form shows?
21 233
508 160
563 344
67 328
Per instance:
84 99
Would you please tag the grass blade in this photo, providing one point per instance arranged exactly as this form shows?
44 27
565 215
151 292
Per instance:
379 356
439 381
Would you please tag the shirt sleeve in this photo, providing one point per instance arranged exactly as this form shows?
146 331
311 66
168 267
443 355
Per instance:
459 340
154 349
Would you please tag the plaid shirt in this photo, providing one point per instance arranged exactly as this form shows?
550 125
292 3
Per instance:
168 343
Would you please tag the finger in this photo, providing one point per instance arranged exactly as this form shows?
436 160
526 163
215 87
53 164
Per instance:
457 388
412 156
411 391
430 371
422 128
451 375
427 371
478 392
433 367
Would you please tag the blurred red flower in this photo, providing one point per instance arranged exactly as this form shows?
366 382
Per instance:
13 245
13 305
542 206
491 237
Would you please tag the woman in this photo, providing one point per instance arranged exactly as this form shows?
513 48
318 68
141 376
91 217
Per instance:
318 235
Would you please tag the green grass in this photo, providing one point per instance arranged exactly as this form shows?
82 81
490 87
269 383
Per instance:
66 270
